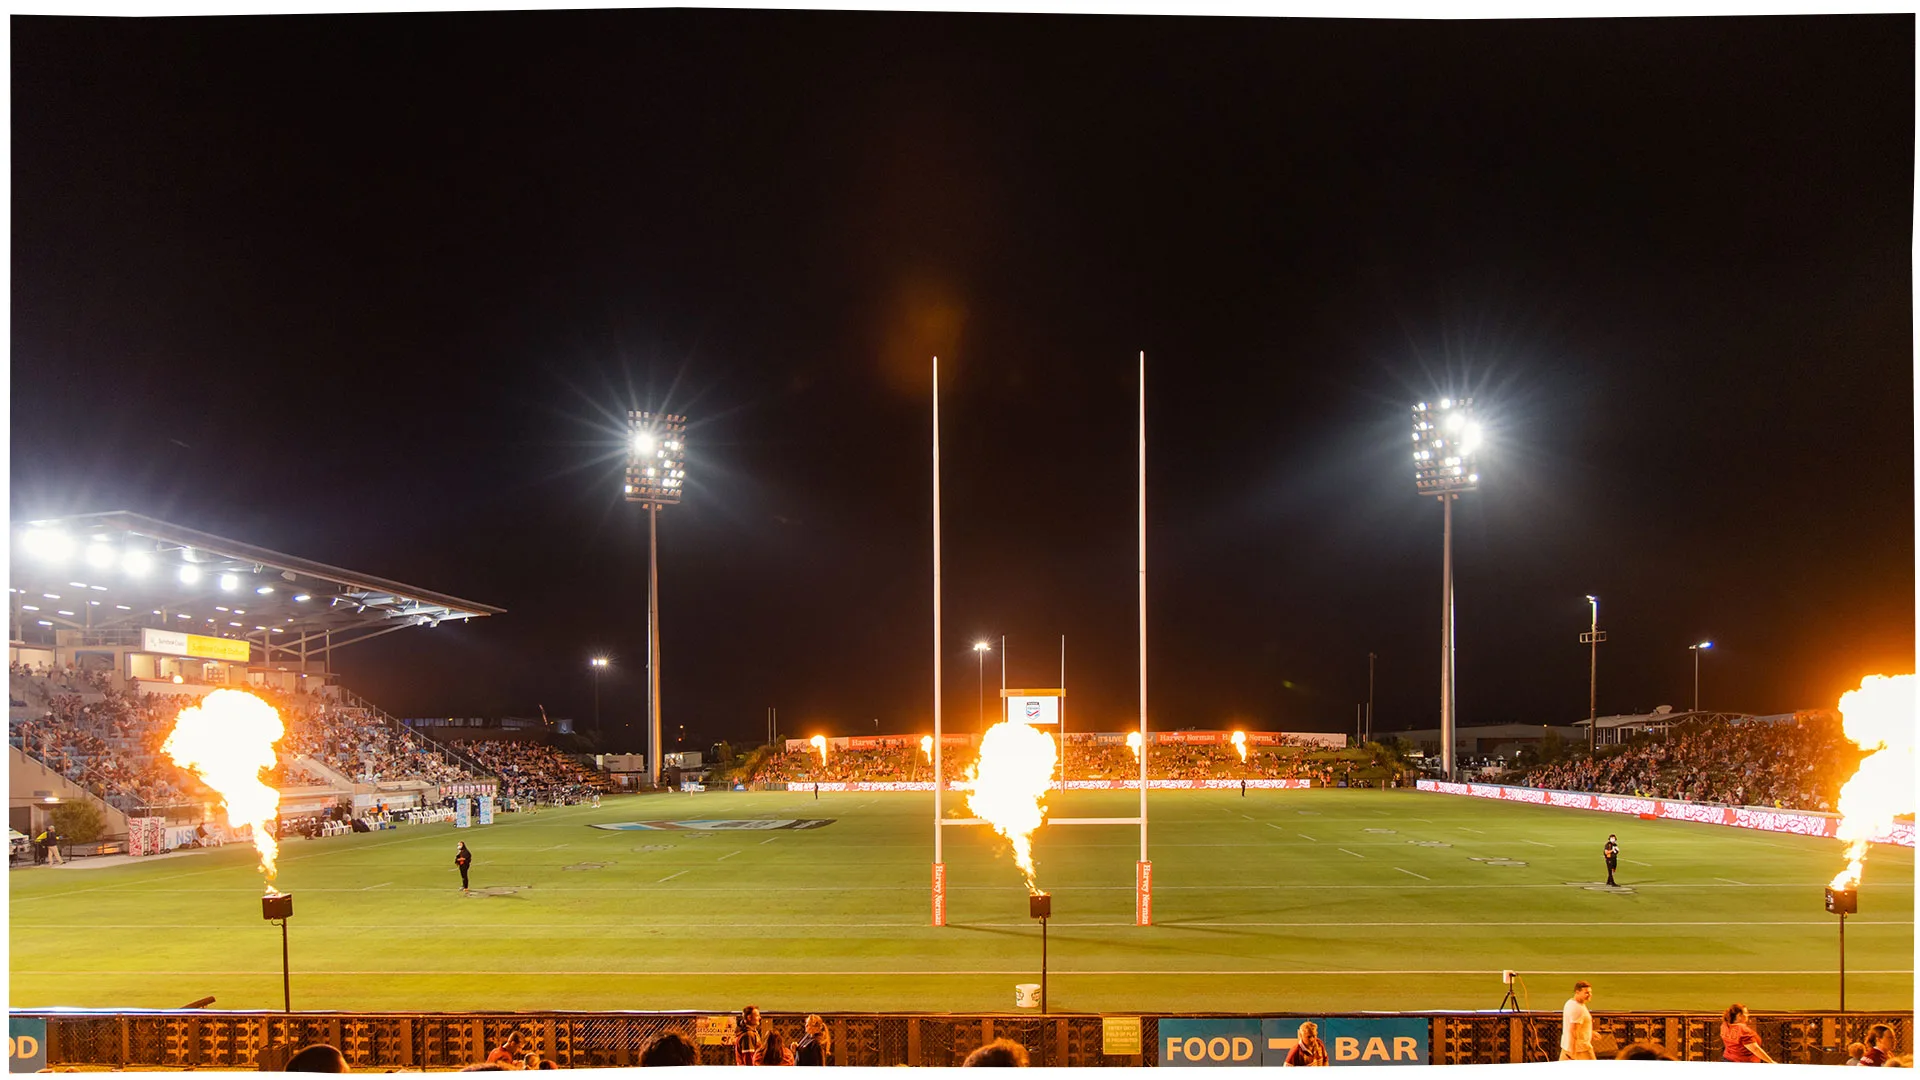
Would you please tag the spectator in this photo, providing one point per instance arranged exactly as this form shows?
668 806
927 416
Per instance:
816 1048
748 1040
1880 1046
320 1057
1002 1053
1854 1050
1643 1051
669 1048
509 1054
1576 1025
1308 1050
1738 1041
774 1051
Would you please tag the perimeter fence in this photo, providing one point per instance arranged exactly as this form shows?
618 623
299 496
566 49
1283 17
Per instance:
423 1041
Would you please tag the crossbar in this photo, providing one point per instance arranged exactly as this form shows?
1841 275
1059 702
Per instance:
1050 821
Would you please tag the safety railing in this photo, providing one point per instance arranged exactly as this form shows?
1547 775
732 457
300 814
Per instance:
250 1040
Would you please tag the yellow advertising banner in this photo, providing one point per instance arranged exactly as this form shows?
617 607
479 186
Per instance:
218 648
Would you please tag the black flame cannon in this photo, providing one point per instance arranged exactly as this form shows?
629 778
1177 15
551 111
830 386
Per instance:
1843 902
278 907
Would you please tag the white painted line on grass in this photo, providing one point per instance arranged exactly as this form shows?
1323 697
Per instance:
1636 862
1730 881
1463 828
1271 825
662 881
1535 843
382 885
727 856
769 840
870 973
1404 870
1183 924
1355 854
1303 836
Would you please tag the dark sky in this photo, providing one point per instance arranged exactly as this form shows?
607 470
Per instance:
392 280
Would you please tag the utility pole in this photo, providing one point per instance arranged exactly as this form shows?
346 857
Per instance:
1370 660
1593 637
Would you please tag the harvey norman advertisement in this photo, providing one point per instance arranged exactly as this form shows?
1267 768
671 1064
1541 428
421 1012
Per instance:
174 643
1250 1041
1804 822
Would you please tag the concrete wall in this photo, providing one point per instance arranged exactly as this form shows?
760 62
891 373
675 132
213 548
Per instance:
29 783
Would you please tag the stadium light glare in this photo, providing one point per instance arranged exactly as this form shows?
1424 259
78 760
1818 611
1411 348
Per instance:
189 575
229 583
264 590
656 471
1447 470
99 556
48 545
137 563
302 598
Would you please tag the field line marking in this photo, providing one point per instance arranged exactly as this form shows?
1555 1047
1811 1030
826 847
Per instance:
382 885
555 847
662 881
1463 828
1271 825
1355 854
1636 862
543 927
1730 881
1536 843
1404 870
1304 836
727 856
1324 886
769 840
869 973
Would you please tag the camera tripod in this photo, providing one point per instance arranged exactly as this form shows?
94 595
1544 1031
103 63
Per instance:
1510 999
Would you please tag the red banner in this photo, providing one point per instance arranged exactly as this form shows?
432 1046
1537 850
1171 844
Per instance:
1804 822
939 894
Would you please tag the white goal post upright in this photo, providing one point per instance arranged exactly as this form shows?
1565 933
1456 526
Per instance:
1143 870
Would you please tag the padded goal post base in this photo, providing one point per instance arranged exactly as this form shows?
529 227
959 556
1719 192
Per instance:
939 894
1143 894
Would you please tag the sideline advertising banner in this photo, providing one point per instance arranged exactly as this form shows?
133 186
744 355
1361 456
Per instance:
486 809
26 1044
1804 822
1210 1043
1265 1042
462 813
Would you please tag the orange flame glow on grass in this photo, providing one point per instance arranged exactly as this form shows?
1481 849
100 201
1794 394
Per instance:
1133 744
1006 785
1879 717
926 746
819 743
1240 744
226 741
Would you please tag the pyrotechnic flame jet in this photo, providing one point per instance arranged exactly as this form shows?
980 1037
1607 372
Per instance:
819 743
227 740
1879 717
1006 785
1240 744
1133 744
926 746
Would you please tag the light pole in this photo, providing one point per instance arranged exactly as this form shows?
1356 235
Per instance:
980 651
598 664
1593 637
1444 442
1696 650
1370 659
656 473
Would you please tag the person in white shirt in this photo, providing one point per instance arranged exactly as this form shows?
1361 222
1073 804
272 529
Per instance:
1576 1025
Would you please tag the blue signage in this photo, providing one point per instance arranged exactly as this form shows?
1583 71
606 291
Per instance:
26 1044
1247 1041
1210 1042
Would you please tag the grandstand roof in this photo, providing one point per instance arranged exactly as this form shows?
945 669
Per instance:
121 570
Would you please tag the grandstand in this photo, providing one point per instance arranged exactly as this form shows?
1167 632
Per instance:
120 620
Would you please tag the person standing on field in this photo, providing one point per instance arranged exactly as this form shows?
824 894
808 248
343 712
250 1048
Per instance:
1576 1025
1612 852
463 859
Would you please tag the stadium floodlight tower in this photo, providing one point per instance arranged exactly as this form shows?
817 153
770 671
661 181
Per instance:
1444 443
656 474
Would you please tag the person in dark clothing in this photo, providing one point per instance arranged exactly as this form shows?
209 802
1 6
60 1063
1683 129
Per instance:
463 859
1001 1053
670 1049
320 1057
1612 852
817 1047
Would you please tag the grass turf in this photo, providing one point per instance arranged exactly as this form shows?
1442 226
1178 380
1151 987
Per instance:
1282 900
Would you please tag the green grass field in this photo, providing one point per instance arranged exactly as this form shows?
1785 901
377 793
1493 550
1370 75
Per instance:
1283 900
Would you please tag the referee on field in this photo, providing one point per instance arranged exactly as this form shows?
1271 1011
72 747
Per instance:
1612 852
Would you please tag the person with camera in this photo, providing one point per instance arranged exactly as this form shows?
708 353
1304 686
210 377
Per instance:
1612 853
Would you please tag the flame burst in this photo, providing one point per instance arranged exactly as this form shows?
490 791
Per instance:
1879 718
1133 744
819 743
1006 784
226 741
926 746
1240 744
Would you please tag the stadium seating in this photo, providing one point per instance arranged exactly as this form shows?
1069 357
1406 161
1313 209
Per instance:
1796 765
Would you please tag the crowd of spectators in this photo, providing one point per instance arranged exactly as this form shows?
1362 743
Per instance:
536 772
1798 764
1083 761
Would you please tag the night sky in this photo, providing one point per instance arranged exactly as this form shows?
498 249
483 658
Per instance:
377 291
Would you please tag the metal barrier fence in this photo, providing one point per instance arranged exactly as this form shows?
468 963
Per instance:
254 1040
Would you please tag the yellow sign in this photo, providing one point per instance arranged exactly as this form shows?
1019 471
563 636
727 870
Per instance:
713 1030
218 648
1120 1035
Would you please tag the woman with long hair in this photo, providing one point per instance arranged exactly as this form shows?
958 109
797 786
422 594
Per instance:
775 1051
1738 1040
817 1047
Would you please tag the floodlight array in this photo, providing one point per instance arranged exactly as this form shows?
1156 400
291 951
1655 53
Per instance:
1445 443
656 458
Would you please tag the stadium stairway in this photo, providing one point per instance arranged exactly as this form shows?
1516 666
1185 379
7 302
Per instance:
30 783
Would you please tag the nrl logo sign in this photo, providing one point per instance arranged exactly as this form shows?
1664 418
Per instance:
1033 709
